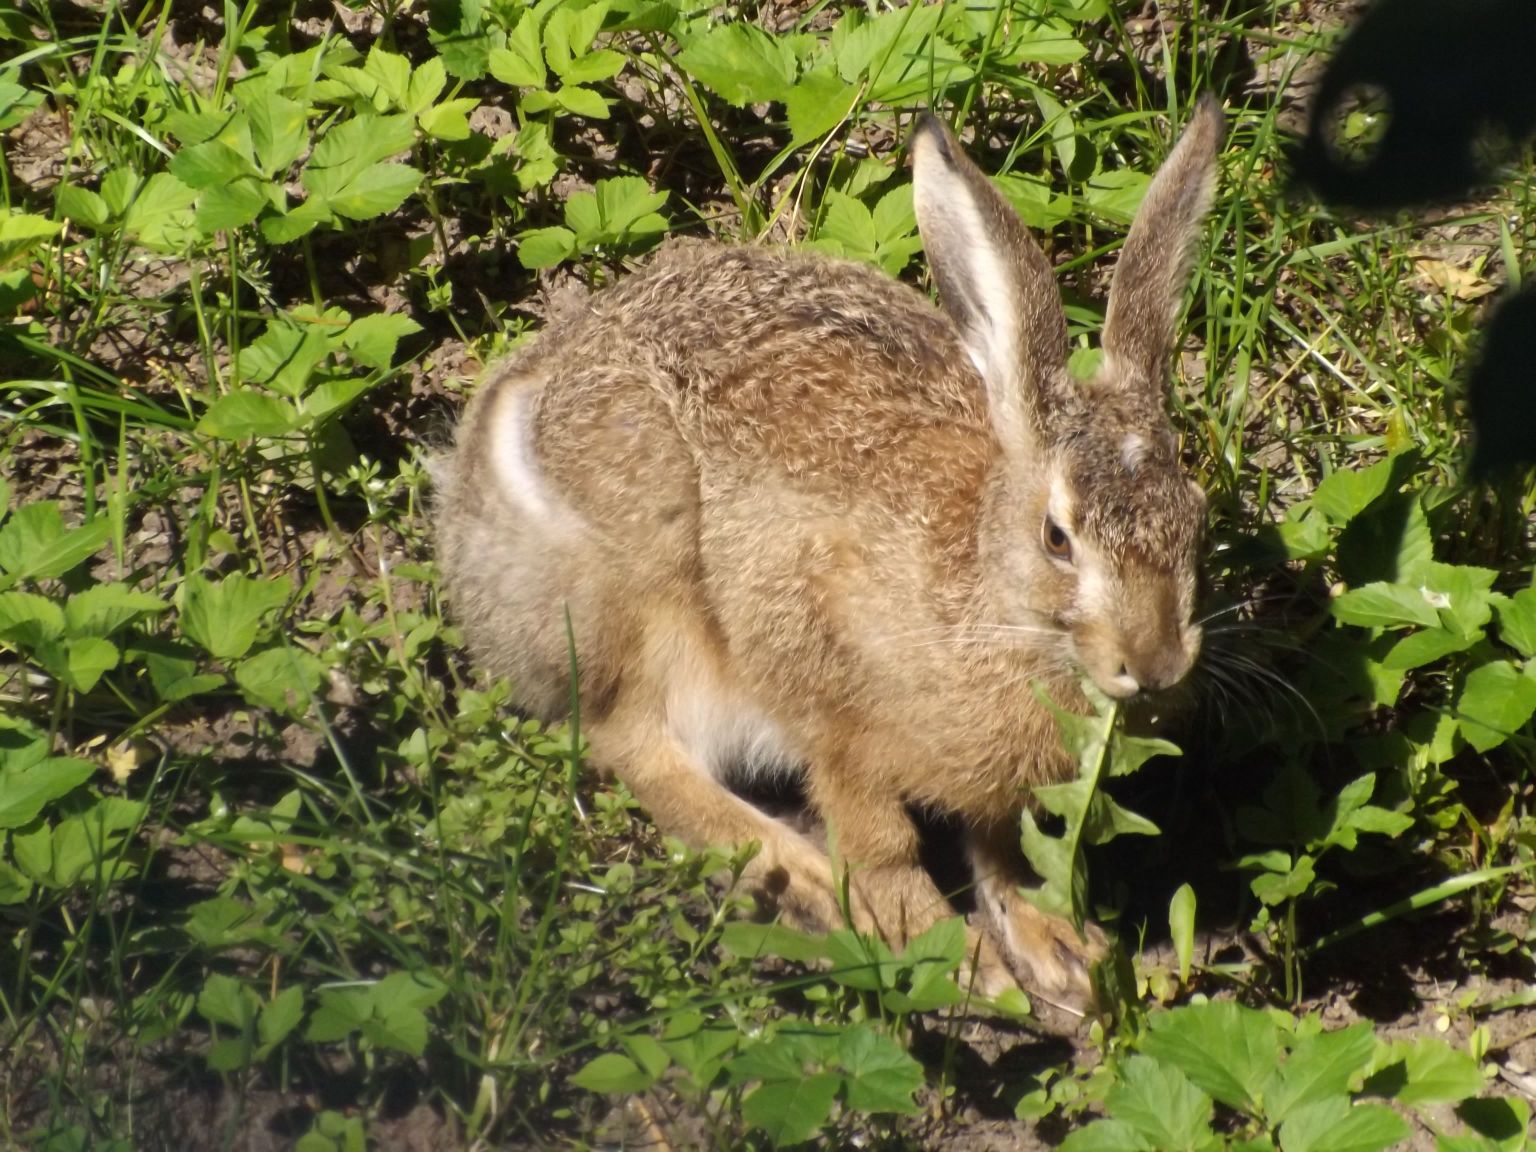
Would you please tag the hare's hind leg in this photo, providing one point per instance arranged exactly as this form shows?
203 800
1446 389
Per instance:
656 737
1049 956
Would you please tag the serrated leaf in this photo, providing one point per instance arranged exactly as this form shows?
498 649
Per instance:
35 545
790 1111
1333 1125
104 608
1160 1103
743 938
740 63
545 247
227 207
521 62
211 162
1229 1051
582 102
1105 1136
246 414
160 216
1384 605
84 661
1426 647
279 129
426 85
878 1073
1517 621
1345 493
284 679
281 1016
227 615
1318 1067
24 793
1435 1072
1496 701
83 207
372 339
375 191
224 1000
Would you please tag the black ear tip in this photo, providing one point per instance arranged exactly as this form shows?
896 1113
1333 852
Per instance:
930 128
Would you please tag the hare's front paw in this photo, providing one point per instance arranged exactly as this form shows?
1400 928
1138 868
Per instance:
1049 957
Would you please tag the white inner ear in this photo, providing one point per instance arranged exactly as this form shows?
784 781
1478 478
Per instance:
1133 450
513 457
956 227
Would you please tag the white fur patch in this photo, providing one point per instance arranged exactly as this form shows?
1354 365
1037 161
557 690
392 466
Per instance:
514 459
719 728
1133 450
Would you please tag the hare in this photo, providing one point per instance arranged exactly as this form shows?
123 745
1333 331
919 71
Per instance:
805 522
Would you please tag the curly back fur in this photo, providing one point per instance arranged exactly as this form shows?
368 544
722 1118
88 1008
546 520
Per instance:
799 518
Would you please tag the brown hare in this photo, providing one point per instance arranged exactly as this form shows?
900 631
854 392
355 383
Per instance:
805 522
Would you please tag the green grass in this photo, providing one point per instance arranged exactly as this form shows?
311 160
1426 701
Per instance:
273 858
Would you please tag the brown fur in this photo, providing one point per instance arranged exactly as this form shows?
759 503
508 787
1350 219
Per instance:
793 524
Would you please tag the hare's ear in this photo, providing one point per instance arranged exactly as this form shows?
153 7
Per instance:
1153 271
993 280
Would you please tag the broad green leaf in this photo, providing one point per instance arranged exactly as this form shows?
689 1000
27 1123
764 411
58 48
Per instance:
1426 647
211 162
281 1016
21 233
85 660
1106 1136
1320 1066
226 207
285 679
1435 1072
426 85
521 62
744 938
1496 701
399 1020
647 1052
287 356
391 72
103 609
860 961
612 1073
82 848
1460 593
816 104
582 102
15 886
224 1000
35 545
1160 1103
339 1012
1117 195
354 146
246 414
1334 1125
296 222
545 247
1384 605
372 339
790 1111
83 206
24 793
879 1074
1044 42
449 120
1345 493
226 616
1517 621
160 216
1229 1051
1390 541
279 130
375 191
740 63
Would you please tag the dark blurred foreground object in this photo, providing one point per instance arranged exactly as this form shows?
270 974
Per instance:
1456 83
1501 392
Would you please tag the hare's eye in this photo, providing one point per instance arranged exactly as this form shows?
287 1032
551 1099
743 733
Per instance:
1055 540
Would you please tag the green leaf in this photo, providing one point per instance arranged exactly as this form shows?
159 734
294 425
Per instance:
545 247
285 679
331 397
224 1000
338 1014
160 216
86 660
226 207
816 104
426 85
376 190
1229 1051
1426 647
1435 1072
1181 926
740 63
281 1016
1517 621
1320 1066
1384 605
880 1075
1117 195
82 206
279 129
24 793
1160 1103
790 1111
612 1073
743 938
209 163
354 146
449 120
1333 1125
1106 1136
391 72
35 545
582 102
226 616
1496 701
1345 493
246 414
372 339
104 608
521 62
